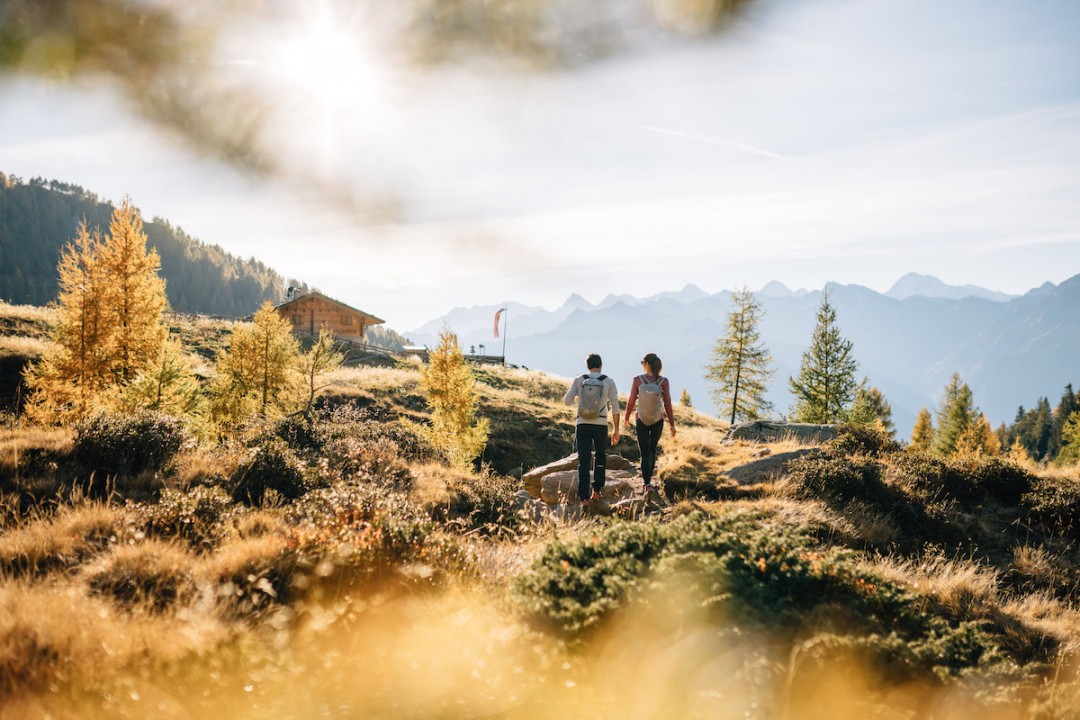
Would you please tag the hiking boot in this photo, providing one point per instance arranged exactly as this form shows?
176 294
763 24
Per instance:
595 496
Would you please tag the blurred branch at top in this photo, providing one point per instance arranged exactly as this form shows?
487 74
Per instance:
166 55
157 53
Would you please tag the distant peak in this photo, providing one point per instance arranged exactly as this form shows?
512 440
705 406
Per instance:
917 285
575 302
775 288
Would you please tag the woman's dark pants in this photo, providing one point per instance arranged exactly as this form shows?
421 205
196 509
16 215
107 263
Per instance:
648 437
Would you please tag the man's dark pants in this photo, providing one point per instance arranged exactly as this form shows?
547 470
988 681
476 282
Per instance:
590 439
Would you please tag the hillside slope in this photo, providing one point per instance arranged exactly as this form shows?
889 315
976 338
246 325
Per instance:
38 217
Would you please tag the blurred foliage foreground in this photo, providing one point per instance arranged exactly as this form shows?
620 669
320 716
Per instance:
344 567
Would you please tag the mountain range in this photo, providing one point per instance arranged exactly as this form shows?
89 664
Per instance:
1011 350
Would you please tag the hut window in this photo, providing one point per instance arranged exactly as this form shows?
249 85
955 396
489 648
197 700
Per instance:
296 319
346 320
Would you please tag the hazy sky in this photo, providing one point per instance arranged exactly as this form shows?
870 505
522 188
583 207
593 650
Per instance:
845 140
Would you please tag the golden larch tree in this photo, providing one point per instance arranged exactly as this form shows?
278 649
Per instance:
110 326
136 294
322 358
922 435
255 373
68 380
450 388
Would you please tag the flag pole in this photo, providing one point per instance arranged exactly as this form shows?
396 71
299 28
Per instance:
505 313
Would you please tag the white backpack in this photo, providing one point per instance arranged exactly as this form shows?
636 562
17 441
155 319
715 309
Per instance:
593 397
650 400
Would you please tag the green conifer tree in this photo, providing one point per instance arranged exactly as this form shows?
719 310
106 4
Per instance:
740 362
826 383
870 407
684 399
168 386
1070 441
955 418
1065 408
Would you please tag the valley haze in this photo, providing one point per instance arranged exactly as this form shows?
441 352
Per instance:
908 341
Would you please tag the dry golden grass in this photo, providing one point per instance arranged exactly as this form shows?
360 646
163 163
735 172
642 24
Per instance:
23 346
10 315
56 636
697 454
961 586
383 380
202 465
432 483
261 523
153 574
62 541
17 441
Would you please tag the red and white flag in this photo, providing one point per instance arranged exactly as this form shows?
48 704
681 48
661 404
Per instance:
498 314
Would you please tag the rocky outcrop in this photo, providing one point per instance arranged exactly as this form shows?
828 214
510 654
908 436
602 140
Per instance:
551 491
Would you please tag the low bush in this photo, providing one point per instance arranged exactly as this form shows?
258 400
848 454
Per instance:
353 533
840 480
300 433
913 490
271 466
198 515
1052 506
997 478
863 439
377 462
484 503
761 578
128 444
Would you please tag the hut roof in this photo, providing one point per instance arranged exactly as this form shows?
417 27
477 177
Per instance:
368 317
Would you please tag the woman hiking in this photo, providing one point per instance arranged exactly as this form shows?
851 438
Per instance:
651 394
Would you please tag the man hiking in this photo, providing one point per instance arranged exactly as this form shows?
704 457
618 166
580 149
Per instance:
594 393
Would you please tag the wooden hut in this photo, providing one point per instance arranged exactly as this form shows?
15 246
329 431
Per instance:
308 313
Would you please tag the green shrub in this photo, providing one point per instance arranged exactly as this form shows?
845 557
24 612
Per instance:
300 433
357 533
924 476
965 480
759 578
128 444
197 516
839 479
271 466
863 439
1053 506
484 503
378 462
997 478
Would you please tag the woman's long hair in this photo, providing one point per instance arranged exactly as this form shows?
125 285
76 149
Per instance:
654 364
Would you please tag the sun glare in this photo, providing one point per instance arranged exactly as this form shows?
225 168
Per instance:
320 73
326 60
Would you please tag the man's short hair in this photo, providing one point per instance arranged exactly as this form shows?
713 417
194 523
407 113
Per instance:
593 362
